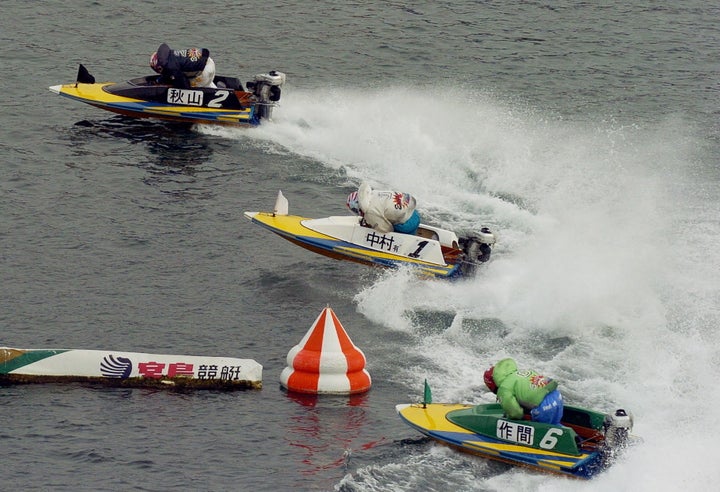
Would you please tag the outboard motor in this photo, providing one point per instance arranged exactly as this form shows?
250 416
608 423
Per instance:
486 238
266 88
477 249
617 429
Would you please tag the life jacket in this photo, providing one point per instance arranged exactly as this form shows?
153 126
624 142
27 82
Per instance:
520 391
384 209
189 61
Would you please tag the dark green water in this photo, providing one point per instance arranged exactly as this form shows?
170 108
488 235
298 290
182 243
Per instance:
585 135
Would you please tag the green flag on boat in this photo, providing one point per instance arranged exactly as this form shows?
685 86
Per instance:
427 397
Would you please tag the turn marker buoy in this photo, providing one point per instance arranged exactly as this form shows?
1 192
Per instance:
326 361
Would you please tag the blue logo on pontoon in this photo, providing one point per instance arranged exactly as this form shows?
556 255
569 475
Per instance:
119 367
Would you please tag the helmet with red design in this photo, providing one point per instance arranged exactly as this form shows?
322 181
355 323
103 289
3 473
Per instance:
489 381
154 63
353 204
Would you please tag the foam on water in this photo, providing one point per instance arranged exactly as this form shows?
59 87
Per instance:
592 280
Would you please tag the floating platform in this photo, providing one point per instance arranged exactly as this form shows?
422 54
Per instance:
127 369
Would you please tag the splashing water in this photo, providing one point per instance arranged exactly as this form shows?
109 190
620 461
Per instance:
601 274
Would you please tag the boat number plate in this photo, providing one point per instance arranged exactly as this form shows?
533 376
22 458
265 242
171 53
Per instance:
525 434
189 97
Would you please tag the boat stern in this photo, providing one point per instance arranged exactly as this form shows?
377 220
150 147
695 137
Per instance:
266 88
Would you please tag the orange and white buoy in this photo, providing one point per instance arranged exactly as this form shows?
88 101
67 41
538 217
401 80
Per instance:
326 361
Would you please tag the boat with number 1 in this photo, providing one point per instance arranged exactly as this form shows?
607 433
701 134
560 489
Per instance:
433 251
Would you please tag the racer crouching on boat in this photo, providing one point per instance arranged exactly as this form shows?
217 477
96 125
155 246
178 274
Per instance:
184 69
385 211
525 391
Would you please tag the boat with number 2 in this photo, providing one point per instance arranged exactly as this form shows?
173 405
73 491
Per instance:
147 97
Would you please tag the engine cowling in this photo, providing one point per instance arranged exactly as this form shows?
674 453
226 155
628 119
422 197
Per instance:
617 428
266 89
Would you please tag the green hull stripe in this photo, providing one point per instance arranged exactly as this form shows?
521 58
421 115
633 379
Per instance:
27 358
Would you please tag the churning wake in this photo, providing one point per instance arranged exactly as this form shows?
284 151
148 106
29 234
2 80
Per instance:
600 276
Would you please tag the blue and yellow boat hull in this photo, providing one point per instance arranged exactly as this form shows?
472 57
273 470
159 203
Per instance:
363 245
97 94
432 420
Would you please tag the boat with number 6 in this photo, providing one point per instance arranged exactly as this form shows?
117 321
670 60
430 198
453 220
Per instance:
433 251
586 443
147 97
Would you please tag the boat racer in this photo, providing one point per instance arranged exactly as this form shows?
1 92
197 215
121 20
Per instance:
184 69
525 391
385 211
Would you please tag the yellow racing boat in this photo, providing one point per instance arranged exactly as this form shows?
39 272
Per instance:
147 97
584 444
433 251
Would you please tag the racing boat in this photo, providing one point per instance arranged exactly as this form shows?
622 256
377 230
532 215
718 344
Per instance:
433 251
147 97
586 443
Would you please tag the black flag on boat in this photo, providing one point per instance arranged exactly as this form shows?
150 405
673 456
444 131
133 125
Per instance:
84 76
